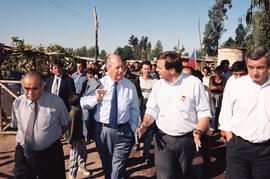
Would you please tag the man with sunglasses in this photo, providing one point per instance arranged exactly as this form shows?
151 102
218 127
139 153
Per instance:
41 119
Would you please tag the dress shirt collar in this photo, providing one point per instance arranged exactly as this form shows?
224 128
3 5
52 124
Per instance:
59 77
177 81
29 102
265 84
111 82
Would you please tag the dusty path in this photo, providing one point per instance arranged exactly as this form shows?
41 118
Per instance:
137 168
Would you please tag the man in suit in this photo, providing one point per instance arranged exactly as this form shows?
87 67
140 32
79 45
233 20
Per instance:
60 84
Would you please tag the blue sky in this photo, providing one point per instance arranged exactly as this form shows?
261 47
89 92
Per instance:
70 23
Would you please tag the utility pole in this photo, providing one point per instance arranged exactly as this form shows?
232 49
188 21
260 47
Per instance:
96 30
178 46
199 34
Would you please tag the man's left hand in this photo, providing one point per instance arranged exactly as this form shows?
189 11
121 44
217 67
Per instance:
197 139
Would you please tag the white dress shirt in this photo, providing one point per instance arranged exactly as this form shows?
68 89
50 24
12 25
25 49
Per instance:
59 83
128 105
178 106
245 109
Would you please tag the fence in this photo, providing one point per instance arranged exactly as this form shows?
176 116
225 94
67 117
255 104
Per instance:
7 96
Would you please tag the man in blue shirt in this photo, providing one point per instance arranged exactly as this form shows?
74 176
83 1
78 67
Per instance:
79 77
114 140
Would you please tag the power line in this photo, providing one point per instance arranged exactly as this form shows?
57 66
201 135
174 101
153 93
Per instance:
69 11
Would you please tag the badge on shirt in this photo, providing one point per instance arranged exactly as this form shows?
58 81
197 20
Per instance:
183 98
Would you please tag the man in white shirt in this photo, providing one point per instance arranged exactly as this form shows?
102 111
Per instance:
146 84
116 121
179 106
245 118
239 69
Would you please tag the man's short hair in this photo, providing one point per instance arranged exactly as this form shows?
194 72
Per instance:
207 68
219 68
223 62
239 66
91 71
146 63
257 53
57 62
74 99
172 60
33 73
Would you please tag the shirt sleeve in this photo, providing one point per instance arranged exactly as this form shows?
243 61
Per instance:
63 114
14 122
134 110
89 101
202 103
226 110
152 107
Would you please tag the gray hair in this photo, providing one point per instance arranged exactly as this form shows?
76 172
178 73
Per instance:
259 52
33 73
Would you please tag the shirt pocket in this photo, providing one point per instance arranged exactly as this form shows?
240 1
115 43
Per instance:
184 107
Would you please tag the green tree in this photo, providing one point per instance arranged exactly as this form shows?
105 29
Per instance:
258 26
215 27
143 46
229 43
240 38
133 41
157 50
148 50
125 53
137 53
103 55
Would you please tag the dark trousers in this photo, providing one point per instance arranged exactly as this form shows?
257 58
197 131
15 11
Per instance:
247 160
174 155
45 164
114 147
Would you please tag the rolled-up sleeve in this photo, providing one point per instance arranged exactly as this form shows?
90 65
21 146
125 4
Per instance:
202 103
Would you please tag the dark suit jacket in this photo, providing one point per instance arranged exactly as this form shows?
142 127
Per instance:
67 88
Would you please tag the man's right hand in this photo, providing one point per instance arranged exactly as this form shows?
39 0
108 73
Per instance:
99 94
141 130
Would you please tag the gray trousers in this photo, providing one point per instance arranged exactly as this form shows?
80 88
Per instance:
174 155
247 160
114 147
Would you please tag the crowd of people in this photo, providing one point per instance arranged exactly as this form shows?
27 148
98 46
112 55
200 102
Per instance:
124 105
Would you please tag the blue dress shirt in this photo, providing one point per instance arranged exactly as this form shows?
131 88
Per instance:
128 106
78 81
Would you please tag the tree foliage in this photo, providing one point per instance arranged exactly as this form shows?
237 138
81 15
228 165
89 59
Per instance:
125 53
258 33
240 38
215 27
157 50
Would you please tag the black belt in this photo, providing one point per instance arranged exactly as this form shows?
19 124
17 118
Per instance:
189 134
118 126
44 150
258 144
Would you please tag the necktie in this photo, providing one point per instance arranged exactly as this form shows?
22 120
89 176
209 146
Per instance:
114 108
55 87
28 140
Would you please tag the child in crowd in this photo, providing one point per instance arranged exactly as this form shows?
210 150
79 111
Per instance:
76 141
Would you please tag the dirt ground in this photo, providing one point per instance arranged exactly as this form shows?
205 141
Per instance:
136 167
